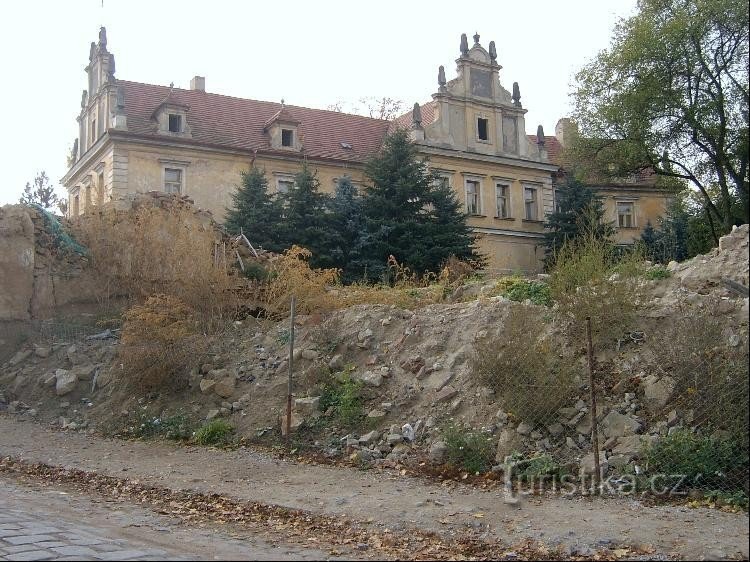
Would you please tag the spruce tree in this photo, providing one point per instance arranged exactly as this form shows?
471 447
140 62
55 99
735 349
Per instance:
346 223
306 220
404 213
449 234
255 212
579 211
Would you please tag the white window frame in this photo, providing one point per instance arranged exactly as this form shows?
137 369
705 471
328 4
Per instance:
179 183
631 203
536 190
283 178
506 197
179 117
476 196
174 165
291 137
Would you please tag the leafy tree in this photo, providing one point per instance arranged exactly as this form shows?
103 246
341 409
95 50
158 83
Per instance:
40 193
580 212
306 221
671 94
255 212
403 212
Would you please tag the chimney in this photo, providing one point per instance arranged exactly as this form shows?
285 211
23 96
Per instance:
565 130
198 83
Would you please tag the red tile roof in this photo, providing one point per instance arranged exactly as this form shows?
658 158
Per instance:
553 147
428 116
238 123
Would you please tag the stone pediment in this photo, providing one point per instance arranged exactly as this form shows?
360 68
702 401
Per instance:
478 54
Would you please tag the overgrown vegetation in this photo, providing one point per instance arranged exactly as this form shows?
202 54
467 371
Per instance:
161 340
215 432
593 278
469 449
535 468
656 273
525 368
146 425
166 250
710 374
688 460
343 396
520 290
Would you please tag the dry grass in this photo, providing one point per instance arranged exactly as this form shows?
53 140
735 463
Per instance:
592 279
161 250
161 341
525 368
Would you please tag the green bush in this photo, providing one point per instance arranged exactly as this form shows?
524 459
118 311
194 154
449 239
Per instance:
536 291
470 450
657 272
539 467
705 462
343 395
256 272
215 432
148 426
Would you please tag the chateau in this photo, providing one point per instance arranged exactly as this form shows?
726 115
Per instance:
141 137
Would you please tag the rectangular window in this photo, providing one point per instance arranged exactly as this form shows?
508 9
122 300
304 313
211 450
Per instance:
93 131
287 137
625 218
175 123
444 182
472 197
172 180
530 203
284 186
483 129
503 204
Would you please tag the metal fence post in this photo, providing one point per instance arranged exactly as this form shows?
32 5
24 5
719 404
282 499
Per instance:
291 368
594 428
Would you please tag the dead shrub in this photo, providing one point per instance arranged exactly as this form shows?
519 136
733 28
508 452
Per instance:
593 278
168 250
525 368
710 375
291 274
161 341
455 271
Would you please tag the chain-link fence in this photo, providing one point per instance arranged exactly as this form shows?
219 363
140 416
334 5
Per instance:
671 409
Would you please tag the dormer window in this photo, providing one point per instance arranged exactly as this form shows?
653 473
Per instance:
175 123
287 137
483 133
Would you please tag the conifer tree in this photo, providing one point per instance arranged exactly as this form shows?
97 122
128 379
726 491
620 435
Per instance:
346 222
256 212
580 211
306 220
398 219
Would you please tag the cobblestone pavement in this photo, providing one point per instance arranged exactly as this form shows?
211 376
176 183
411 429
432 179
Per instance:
45 524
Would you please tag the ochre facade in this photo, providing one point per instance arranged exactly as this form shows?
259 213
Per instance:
138 137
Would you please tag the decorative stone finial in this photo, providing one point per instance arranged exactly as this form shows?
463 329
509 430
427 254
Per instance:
92 51
476 38
416 115
516 95
120 98
441 76
84 98
464 45
111 68
73 158
540 135
282 103
493 51
103 39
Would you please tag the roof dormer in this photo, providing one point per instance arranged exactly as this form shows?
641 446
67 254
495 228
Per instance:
171 117
283 130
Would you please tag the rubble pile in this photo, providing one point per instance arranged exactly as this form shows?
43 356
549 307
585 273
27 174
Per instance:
414 374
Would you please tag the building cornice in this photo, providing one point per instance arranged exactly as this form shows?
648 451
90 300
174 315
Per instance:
506 232
505 161
86 160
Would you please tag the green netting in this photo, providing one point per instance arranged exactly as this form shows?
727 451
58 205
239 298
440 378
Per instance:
60 237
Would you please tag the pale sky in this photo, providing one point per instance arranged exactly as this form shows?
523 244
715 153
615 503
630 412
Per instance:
311 53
